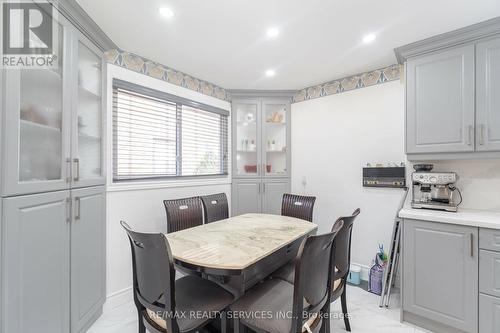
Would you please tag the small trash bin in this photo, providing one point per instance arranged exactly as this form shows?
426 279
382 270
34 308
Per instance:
354 276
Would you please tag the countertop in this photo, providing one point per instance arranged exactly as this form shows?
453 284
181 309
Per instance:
468 217
237 242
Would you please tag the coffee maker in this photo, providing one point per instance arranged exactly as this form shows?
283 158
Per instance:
434 190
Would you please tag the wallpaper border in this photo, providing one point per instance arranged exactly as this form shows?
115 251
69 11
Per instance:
144 66
362 80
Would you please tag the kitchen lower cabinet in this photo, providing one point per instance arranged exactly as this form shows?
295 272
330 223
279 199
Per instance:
489 314
440 276
52 263
272 195
87 256
256 196
36 263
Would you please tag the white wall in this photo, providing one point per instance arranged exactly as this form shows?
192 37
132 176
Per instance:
333 137
141 204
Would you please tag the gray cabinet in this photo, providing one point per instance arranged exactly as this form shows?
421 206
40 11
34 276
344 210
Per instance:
261 153
440 275
440 102
246 197
258 196
487 96
489 314
87 256
53 120
36 263
272 196
489 272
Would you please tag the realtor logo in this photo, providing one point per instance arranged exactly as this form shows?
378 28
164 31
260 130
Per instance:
29 34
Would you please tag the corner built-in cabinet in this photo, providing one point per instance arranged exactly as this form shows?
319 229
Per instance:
52 244
261 153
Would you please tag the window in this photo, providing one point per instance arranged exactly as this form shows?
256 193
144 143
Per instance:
158 135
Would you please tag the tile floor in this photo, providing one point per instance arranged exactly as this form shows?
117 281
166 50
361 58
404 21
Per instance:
366 316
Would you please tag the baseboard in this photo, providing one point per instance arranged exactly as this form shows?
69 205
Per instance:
118 298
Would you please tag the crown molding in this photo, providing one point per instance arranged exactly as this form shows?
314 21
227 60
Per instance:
456 37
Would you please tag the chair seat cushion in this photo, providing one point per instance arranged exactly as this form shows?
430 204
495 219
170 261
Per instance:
287 273
268 307
194 294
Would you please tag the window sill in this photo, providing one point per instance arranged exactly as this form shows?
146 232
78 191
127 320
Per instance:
152 185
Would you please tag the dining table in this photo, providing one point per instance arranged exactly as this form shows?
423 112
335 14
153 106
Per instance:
240 251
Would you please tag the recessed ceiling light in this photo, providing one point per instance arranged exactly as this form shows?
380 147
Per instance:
367 39
270 73
273 32
166 12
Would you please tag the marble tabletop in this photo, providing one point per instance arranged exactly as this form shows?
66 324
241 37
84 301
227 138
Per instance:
237 242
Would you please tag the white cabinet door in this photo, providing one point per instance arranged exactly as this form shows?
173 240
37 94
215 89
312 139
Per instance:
276 138
273 195
87 114
88 230
36 263
488 96
37 125
440 102
246 197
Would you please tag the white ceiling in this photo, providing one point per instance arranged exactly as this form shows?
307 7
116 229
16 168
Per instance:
224 41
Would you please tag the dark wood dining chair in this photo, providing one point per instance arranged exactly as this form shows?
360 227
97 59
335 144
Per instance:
307 300
183 213
342 248
298 206
215 207
159 297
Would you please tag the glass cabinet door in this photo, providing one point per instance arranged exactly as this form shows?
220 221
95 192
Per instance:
246 144
87 119
37 126
276 138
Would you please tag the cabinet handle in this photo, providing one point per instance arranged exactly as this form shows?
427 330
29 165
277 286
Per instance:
259 188
264 169
77 165
481 134
471 245
77 204
469 140
68 170
69 210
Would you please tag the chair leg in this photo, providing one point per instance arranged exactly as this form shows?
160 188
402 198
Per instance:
238 326
142 328
344 310
325 327
223 322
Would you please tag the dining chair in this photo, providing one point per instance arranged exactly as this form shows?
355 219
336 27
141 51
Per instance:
298 206
183 213
163 303
307 300
342 248
215 207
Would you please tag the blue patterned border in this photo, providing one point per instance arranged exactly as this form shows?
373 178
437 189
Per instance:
144 66
378 76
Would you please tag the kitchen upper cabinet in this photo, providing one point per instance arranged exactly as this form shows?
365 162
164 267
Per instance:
53 120
87 256
37 122
440 273
36 263
440 101
87 121
261 138
487 95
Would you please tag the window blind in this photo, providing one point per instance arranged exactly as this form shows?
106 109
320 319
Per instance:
158 135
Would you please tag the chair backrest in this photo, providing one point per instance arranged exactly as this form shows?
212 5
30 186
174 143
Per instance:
153 272
313 271
215 207
343 245
183 213
298 206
